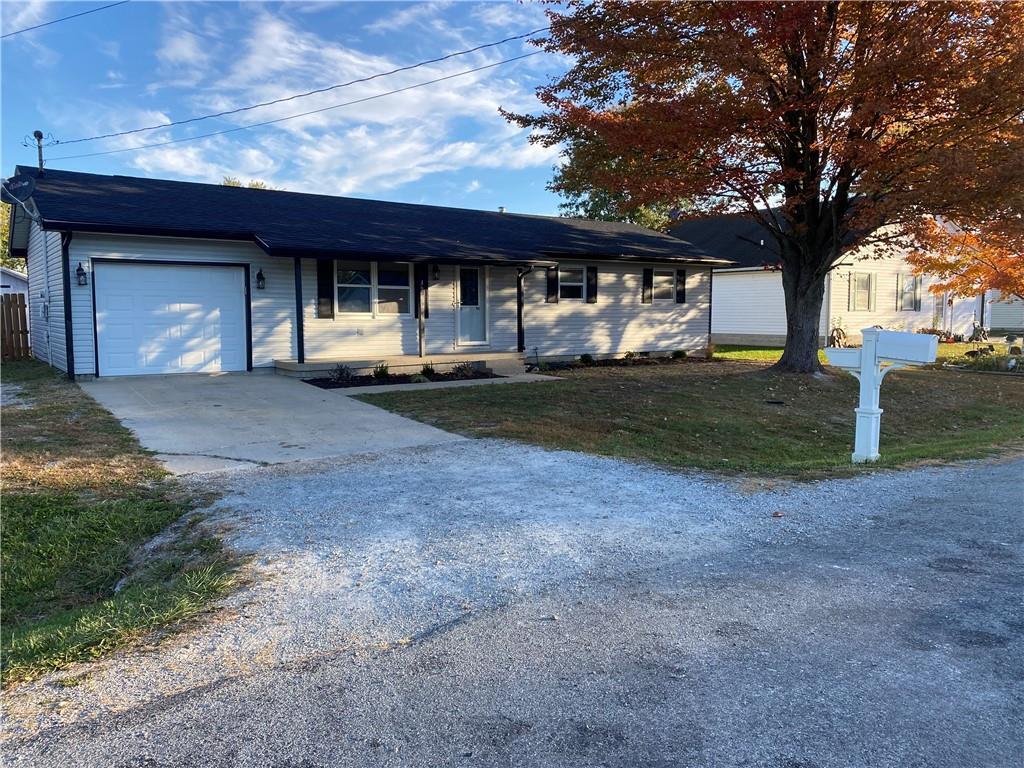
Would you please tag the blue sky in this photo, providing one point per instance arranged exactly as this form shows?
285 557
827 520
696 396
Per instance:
147 62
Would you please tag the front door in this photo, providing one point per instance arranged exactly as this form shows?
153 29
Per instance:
472 306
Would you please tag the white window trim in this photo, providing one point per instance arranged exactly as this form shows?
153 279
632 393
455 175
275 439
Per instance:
374 287
853 291
909 280
582 284
672 294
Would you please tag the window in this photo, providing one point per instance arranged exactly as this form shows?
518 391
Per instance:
861 285
369 287
908 293
394 289
664 288
570 283
355 286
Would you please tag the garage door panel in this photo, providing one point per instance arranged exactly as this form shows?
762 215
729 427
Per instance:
170 319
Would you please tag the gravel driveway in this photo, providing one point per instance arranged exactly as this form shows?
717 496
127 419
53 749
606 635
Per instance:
487 604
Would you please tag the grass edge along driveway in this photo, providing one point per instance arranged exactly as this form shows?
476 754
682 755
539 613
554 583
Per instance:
80 498
733 416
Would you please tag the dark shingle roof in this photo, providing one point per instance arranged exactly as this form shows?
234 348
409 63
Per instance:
293 224
734 236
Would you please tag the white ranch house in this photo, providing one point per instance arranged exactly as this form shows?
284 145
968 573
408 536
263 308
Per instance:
132 276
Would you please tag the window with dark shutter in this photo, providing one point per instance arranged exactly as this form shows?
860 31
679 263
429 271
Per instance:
552 296
647 291
680 286
324 288
591 285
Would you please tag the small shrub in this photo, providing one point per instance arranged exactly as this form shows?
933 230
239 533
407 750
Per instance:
586 359
678 354
631 357
418 378
427 370
342 374
463 370
381 371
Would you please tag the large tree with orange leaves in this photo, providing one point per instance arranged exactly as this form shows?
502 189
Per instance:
826 121
968 263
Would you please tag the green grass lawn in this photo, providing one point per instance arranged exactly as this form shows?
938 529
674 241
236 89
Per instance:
732 415
772 354
80 497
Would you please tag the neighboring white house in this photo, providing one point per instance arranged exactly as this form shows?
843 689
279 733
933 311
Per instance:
864 289
12 281
134 276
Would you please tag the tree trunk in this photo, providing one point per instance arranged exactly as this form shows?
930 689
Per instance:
804 296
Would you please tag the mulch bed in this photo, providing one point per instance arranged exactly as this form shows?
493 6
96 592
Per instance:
615 362
400 378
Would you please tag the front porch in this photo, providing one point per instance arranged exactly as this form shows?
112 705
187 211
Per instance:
501 363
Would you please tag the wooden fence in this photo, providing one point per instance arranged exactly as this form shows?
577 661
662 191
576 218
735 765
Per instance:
14 327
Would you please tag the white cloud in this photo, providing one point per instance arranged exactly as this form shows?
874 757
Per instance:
363 149
415 13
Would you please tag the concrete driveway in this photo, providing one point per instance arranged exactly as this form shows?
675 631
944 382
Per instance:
204 423
491 605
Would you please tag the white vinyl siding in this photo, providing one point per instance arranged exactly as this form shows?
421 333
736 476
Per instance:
367 336
1005 315
750 307
618 322
273 308
46 297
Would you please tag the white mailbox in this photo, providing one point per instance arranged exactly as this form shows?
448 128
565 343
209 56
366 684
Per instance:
883 351
907 348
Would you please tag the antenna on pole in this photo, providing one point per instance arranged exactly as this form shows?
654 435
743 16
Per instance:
39 148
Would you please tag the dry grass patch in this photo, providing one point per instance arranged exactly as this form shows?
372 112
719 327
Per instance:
80 498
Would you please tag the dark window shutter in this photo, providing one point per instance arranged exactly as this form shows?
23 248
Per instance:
324 288
552 297
647 292
680 286
899 293
591 285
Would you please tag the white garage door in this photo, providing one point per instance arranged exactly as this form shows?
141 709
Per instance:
169 318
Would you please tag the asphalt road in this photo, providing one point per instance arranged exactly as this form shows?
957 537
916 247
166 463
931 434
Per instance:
608 615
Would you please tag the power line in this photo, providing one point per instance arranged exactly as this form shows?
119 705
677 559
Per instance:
302 114
314 92
64 18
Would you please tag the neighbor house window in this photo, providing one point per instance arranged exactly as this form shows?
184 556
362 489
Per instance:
664 286
571 283
378 288
908 293
861 287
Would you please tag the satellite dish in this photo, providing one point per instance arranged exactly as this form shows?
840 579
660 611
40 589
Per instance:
17 189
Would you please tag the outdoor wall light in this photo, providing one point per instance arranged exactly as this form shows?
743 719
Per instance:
83 279
261 281
435 273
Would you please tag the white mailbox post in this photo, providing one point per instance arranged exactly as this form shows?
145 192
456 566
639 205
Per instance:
883 351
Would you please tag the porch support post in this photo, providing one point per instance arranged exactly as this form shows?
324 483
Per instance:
420 273
520 328
300 336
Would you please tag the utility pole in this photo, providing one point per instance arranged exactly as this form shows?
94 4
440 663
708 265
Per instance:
39 148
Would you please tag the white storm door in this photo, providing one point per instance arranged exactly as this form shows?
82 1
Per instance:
472 306
169 318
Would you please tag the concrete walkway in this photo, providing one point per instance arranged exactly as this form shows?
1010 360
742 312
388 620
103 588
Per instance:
209 423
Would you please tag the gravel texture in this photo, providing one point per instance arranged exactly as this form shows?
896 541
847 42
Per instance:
481 603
